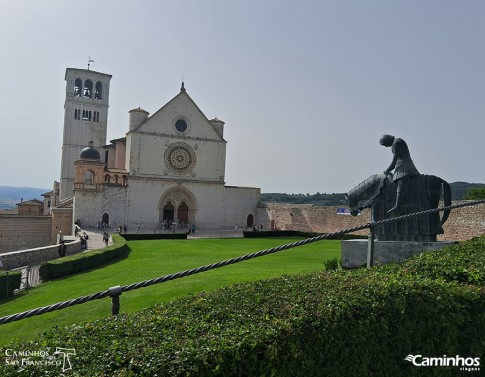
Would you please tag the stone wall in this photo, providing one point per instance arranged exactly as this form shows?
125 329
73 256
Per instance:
36 256
20 232
463 223
308 218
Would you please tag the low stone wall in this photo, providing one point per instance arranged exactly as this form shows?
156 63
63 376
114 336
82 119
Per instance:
464 223
36 256
309 218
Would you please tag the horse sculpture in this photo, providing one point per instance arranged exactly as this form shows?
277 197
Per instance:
424 192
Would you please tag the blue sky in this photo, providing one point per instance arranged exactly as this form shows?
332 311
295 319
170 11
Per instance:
306 88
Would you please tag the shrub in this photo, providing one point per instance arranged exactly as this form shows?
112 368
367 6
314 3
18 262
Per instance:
477 193
463 262
331 264
9 282
84 261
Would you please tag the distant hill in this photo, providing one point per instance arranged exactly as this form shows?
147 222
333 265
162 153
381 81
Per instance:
10 196
458 192
460 189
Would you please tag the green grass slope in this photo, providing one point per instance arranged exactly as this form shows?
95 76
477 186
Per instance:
343 323
151 259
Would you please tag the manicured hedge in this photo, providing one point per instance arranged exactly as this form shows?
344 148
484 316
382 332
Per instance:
358 323
295 233
9 282
154 236
83 261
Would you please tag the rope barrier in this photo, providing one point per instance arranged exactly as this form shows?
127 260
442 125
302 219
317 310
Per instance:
115 292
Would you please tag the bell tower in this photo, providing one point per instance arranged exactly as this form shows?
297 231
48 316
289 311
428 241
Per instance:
85 118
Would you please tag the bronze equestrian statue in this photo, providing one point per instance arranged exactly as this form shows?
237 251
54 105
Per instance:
405 191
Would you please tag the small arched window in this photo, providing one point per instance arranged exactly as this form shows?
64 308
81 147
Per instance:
88 89
107 178
77 87
99 90
88 177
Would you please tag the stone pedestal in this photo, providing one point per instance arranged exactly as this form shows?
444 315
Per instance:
354 252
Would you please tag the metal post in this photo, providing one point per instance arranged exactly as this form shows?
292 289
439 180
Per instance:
115 293
370 247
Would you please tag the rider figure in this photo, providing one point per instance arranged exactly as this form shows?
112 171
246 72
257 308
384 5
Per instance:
401 163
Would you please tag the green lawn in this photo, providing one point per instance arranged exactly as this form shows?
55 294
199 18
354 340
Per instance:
151 259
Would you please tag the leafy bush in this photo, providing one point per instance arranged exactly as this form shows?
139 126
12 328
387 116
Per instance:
331 264
84 261
476 193
340 323
463 262
9 282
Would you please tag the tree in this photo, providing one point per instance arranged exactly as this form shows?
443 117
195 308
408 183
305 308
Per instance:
477 193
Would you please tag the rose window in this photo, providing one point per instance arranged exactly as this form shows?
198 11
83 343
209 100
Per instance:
180 158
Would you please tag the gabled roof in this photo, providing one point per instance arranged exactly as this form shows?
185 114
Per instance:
66 203
183 92
31 202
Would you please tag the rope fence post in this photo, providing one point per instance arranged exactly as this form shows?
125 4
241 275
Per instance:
370 245
115 293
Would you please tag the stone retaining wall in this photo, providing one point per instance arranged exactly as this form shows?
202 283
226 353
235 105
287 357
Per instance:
20 232
36 256
463 223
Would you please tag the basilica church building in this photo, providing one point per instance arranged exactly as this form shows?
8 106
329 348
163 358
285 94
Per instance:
169 166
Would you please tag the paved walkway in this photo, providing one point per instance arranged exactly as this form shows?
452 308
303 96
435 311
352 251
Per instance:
95 240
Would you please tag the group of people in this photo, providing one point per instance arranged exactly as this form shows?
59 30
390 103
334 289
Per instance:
102 225
168 225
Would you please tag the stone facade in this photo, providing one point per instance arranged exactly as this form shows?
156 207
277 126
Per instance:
169 166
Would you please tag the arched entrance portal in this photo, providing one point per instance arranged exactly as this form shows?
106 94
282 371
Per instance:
105 219
183 213
179 205
168 212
